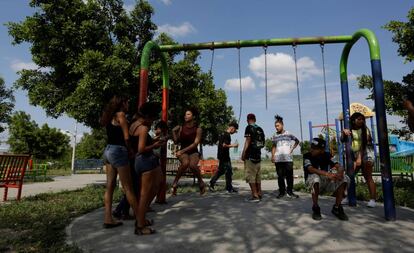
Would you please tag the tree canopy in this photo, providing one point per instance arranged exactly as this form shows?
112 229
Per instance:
91 145
403 35
6 104
87 51
26 137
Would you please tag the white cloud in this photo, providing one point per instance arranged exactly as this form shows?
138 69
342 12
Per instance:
18 65
166 2
281 77
177 31
234 84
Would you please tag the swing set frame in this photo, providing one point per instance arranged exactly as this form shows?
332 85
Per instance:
349 40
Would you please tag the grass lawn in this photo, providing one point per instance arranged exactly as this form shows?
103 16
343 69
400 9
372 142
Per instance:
37 224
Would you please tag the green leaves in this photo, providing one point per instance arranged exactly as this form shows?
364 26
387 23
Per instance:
6 104
27 138
87 52
92 145
403 34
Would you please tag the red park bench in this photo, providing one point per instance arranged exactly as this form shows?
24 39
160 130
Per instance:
207 167
12 169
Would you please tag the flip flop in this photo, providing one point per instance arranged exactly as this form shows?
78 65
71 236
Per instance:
112 225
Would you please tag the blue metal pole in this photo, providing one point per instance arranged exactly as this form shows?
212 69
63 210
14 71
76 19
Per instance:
385 161
349 163
310 132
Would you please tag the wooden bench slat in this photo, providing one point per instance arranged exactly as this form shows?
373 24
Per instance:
12 170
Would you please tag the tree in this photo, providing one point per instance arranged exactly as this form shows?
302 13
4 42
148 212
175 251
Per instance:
86 52
92 145
191 87
268 145
89 50
6 104
27 138
305 147
403 35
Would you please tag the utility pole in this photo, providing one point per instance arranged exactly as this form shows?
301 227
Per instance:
74 148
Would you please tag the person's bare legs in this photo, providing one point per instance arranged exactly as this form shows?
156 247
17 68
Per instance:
253 188
339 194
157 182
147 186
126 181
184 164
194 159
259 189
367 173
315 194
111 174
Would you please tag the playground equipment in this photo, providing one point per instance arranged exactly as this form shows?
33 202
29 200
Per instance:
349 40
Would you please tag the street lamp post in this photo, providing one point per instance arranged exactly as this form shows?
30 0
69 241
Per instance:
74 149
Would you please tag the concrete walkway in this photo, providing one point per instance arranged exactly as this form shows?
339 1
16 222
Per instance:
60 183
221 222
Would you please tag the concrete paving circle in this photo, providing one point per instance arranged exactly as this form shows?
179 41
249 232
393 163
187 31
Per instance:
221 222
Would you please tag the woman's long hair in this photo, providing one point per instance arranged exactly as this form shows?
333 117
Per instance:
363 128
115 105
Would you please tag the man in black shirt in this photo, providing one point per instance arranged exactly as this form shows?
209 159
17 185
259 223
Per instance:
223 155
251 155
322 174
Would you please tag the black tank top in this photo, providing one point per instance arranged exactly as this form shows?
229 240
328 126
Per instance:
115 135
134 140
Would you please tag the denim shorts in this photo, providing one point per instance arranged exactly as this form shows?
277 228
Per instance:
116 155
146 162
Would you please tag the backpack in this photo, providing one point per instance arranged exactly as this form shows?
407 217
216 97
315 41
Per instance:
258 137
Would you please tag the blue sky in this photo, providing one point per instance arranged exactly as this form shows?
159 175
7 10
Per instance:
190 21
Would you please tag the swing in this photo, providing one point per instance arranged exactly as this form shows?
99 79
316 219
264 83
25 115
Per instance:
297 89
265 52
240 83
326 96
212 58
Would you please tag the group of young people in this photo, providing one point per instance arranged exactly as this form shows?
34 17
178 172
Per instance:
134 154
322 173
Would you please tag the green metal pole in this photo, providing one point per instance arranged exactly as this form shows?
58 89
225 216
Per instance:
257 43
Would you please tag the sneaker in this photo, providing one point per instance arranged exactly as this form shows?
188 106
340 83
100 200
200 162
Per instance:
253 200
338 211
371 203
281 195
292 195
211 188
232 190
345 201
316 213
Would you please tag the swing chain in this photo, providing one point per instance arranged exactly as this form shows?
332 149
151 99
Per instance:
298 93
212 57
265 52
240 81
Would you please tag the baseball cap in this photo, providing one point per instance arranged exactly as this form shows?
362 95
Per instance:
318 143
251 116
